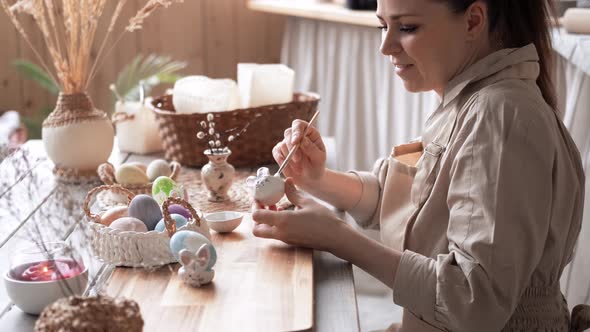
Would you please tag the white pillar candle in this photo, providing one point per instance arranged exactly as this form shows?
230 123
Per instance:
265 84
200 94
137 129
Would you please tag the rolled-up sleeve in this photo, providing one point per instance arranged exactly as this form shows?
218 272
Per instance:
499 204
366 210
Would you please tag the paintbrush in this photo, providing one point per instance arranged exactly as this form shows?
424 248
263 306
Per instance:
294 148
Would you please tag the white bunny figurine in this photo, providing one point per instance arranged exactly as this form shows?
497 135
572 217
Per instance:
194 266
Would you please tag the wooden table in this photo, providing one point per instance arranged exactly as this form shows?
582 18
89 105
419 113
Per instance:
31 199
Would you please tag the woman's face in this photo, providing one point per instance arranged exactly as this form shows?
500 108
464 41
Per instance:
426 42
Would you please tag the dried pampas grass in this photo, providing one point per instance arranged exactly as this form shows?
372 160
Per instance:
69 28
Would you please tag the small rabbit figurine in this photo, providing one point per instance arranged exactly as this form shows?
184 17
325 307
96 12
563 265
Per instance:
267 189
194 270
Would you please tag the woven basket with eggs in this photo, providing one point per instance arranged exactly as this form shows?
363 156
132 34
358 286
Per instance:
135 177
122 240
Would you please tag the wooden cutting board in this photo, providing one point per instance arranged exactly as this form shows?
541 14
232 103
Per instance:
259 285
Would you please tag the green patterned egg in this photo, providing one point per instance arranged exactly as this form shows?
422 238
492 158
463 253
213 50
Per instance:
165 187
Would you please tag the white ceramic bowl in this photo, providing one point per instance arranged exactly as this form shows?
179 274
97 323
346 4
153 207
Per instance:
33 296
225 221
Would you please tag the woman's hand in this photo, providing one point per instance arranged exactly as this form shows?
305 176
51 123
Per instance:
310 225
308 164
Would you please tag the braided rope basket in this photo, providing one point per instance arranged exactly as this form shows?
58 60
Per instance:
106 172
135 249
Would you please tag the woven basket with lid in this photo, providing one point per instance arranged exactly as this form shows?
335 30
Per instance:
253 148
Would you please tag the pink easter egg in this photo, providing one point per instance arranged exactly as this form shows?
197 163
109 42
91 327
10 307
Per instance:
129 224
113 214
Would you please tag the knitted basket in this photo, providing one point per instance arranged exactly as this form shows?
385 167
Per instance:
135 249
253 148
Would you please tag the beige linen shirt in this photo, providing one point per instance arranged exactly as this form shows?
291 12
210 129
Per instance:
487 246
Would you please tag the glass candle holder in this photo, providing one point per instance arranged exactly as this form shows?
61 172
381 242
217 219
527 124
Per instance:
50 261
41 274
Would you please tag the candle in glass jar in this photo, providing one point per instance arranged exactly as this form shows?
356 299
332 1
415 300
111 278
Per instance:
50 270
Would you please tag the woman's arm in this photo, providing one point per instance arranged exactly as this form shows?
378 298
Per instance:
370 255
342 190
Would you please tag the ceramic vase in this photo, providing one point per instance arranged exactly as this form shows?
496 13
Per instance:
218 174
77 137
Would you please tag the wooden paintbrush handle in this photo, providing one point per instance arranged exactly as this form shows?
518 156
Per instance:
293 149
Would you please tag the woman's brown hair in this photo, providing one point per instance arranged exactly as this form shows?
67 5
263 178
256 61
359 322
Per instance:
517 23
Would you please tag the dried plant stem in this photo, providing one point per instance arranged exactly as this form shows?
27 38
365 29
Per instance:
69 36
23 33
51 14
98 63
116 14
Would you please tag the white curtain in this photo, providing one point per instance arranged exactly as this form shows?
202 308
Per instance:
574 93
366 108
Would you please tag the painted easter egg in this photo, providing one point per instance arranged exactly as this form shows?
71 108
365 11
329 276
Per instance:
164 187
129 224
269 190
180 221
113 214
129 174
192 241
157 168
139 165
146 209
179 209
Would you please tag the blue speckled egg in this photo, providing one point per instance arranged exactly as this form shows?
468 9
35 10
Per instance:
192 241
146 209
180 221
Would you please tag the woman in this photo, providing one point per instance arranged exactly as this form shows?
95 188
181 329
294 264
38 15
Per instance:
479 217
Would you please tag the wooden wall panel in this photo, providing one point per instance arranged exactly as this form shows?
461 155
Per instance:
211 35
275 25
9 80
33 97
114 61
251 40
221 43
177 32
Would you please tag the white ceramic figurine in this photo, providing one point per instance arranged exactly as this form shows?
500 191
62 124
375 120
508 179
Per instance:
194 270
267 189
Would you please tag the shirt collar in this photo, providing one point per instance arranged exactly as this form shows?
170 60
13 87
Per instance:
520 63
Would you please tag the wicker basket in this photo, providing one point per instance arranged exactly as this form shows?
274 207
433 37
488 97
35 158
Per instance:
253 148
135 249
106 172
